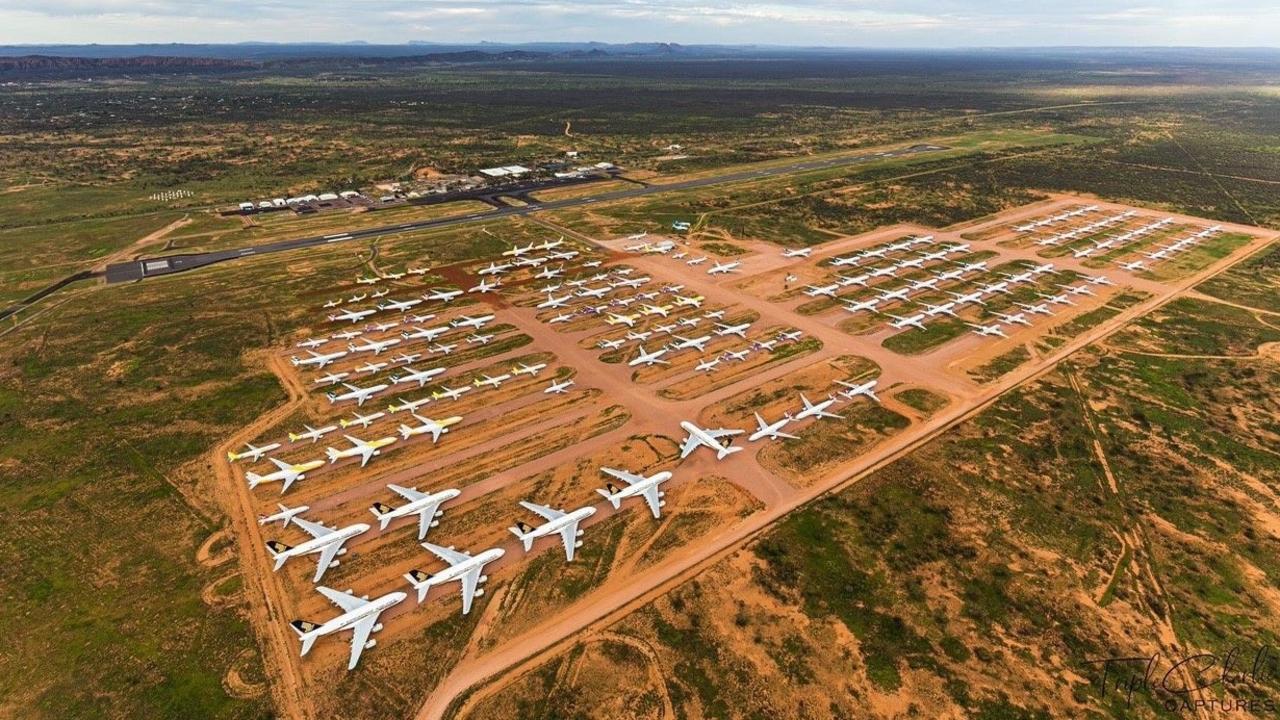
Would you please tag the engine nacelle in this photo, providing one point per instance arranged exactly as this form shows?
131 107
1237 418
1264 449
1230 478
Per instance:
661 494
479 592
342 551
377 627
334 562
434 523
662 503
370 644
578 544
483 578
439 513
580 531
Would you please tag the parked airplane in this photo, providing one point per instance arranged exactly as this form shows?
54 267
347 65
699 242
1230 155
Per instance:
374 346
406 358
254 454
797 253
471 322
347 334
359 615
1133 266
443 348
451 393
324 540
317 359
1036 309
699 343
700 437
410 405
616 319
916 321
693 301
353 315
463 567
554 302
425 505
284 516
773 431
368 280
400 305
419 376
946 308
523 369
442 295
382 327
561 318
1014 319
968 298
740 330
1059 299
311 343
790 336
993 329
898 294
286 474
613 344
312 434
565 524
484 286
557 388
359 448
493 382
637 486
363 421
380 293
861 305
1077 290
331 378
494 269
332 303
817 410
817 291
867 388
517 251
708 365
639 336
358 394
737 355
370 368
649 358
647 309
722 268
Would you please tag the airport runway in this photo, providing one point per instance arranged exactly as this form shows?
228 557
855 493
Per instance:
170 264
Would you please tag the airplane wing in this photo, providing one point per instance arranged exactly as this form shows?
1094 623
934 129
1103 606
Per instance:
651 497
316 530
569 537
343 600
623 475
691 443
542 510
407 493
280 464
449 555
359 636
326 558
469 581
723 433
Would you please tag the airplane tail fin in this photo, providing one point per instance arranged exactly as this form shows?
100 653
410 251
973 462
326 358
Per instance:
728 451
405 431
278 550
294 437
305 630
524 532
332 453
611 494
332 398
421 581
232 456
383 513
253 478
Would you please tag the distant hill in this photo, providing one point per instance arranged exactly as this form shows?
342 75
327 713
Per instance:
49 65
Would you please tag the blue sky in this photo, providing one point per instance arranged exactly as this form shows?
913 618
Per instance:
862 23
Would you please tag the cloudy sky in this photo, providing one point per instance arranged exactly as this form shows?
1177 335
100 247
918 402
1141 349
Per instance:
864 23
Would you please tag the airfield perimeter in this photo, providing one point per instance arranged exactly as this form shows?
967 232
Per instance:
493 455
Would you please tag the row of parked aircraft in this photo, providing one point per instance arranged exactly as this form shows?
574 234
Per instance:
1166 252
1054 219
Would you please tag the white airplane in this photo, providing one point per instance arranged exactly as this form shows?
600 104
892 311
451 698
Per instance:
551 244
254 454
410 405
382 327
1042 269
324 540
363 421
332 303
1100 280
443 348
722 268
817 291
1014 319
358 394
790 336
699 437
374 346
889 271
557 388
817 410
493 382
348 334
284 516
1020 278
915 262
353 315
1036 309
1059 299
647 309
317 359
400 305
312 434
740 330
463 566
707 365
554 302
946 308
406 358
357 298
471 322
359 448
451 393
442 295
637 486
484 286
592 263
992 288
699 343
639 336
1134 266
666 328
968 299
370 368
737 356
1077 290
915 321
649 358
926 284
523 369
693 301
331 378
610 344
426 506
360 616
434 427
494 269
311 343
517 251
974 266
417 270
558 522
287 474
561 318
773 431
696 261
949 275
393 275
419 376
867 388
992 329
797 253
765 345
368 280
616 319
898 294
381 293
859 306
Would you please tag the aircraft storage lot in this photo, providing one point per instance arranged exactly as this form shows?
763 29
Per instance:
767 337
